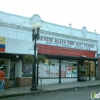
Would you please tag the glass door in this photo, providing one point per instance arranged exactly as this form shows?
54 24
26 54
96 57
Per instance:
12 74
86 70
83 70
92 70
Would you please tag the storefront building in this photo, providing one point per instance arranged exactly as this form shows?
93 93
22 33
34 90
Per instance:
71 53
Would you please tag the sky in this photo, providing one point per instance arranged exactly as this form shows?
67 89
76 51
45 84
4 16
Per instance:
79 13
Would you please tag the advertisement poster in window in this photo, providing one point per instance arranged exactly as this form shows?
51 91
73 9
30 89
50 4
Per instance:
43 70
74 71
54 69
63 70
68 71
26 70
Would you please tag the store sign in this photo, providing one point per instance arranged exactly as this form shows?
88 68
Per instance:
67 43
2 44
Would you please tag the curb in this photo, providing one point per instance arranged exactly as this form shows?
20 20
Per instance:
47 91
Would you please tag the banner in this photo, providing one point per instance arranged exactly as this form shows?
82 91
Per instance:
67 43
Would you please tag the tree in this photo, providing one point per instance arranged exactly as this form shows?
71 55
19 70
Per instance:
28 59
41 58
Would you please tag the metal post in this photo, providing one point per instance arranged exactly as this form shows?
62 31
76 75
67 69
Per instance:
35 36
37 71
95 70
89 71
78 71
59 71
41 83
34 84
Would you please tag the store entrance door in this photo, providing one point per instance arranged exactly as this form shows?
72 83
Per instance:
86 70
12 74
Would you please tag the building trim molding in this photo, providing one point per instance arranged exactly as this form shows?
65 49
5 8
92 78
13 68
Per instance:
48 32
68 36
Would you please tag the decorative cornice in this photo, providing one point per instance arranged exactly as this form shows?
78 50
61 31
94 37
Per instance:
48 32
68 36
14 26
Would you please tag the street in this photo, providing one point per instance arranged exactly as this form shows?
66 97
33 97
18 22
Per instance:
77 94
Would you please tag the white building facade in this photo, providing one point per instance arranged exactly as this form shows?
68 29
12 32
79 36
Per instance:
64 47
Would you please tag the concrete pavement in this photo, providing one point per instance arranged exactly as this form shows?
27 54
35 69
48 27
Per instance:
17 91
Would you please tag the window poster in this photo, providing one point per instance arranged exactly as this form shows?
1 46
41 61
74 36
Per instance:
69 68
63 70
54 71
54 68
68 71
27 70
43 70
74 71
51 68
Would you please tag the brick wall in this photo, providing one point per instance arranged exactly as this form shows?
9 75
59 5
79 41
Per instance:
6 82
21 81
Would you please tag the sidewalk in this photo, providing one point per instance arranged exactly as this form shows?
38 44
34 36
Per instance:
16 91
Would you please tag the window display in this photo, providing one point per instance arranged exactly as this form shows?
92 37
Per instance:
54 68
27 70
63 70
49 69
43 70
68 68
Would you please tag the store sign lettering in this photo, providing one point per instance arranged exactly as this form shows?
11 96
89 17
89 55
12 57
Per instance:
67 43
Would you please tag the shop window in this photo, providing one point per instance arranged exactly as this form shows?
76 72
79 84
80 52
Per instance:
69 68
83 66
54 68
43 70
27 70
49 69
